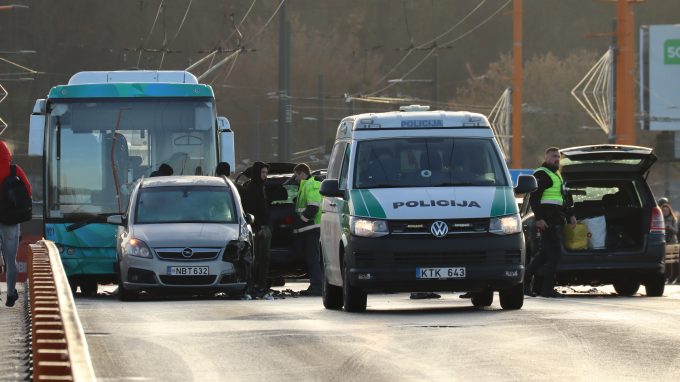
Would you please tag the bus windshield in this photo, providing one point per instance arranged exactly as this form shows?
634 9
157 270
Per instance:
97 149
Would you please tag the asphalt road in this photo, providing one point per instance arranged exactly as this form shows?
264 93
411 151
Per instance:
587 336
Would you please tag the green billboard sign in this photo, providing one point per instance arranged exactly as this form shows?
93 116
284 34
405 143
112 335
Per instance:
671 52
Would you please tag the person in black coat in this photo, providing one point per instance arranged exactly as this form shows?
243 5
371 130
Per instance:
255 202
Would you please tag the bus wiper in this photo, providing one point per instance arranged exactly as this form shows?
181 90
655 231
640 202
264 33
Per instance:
457 184
89 219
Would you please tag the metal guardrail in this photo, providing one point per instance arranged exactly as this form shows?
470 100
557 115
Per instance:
58 343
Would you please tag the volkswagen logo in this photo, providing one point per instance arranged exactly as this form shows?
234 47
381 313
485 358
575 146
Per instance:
187 252
439 228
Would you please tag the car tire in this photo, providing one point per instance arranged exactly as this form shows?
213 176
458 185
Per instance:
483 298
332 295
88 288
354 299
626 287
125 294
512 298
655 285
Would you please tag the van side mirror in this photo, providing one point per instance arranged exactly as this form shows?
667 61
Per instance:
526 184
250 219
116 220
330 187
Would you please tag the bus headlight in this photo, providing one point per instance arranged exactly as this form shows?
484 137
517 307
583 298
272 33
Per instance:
137 248
505 225
368 228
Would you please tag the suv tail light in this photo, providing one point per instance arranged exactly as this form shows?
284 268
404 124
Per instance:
288 220
656 222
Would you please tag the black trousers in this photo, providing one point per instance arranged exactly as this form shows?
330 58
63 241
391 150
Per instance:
263 239
548 256
307 242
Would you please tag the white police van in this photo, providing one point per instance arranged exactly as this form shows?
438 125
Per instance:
420 200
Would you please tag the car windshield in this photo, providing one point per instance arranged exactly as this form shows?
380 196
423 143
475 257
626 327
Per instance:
428 162
204 204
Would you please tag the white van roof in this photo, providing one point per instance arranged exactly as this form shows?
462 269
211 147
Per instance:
419 119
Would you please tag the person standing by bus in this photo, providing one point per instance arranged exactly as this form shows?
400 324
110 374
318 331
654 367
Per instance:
9 230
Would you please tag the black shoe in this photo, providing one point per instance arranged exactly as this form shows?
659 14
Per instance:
466 295
11 299
311 292
529 292
553 294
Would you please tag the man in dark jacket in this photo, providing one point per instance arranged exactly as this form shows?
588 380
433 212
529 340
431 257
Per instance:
163 170
9 234
550 206
255 203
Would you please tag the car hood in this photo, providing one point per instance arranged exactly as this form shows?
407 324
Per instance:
186 234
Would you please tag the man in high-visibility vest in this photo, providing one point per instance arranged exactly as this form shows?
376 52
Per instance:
307 227
550 206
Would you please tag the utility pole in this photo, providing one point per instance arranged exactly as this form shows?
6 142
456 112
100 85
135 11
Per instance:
625 66
285 112
516 147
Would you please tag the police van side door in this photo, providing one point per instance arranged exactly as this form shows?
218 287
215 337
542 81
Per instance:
332 207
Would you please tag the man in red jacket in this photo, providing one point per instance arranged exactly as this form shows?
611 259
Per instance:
9 234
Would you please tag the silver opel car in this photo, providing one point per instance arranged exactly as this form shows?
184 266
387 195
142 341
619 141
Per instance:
183 232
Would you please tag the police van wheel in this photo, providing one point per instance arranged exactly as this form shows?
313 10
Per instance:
512 298
626 287
331 294
354 299
655 285
483 298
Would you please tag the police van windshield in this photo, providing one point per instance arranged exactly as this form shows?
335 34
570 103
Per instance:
428 162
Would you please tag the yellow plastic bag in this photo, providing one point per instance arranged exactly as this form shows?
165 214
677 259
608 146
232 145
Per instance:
575 236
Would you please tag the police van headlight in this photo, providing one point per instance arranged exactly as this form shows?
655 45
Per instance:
368 227
505 225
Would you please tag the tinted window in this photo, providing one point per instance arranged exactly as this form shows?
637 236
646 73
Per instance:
188 204
336 160
428 162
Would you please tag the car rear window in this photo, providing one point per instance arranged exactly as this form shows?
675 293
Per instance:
185 204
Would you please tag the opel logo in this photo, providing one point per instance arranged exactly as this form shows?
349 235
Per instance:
187 252
439 228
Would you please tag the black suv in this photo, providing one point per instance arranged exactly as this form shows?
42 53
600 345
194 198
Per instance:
610 181
281 191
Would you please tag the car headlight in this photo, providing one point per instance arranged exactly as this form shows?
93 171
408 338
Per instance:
138 248
244 231
505 225
368 228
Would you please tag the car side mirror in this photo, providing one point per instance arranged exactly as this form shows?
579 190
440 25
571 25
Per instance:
116 220
250 219
526 184
330 187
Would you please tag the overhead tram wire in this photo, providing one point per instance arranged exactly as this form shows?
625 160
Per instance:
158 12
176 33
241 48
412 48
446 45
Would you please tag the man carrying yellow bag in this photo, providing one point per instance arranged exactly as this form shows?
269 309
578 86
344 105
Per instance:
549 203
576 237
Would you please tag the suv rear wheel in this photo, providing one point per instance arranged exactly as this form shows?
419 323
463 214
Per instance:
512 298
655 285
483 298
353 298
626 287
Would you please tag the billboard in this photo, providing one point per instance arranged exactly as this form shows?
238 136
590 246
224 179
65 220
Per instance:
660 77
